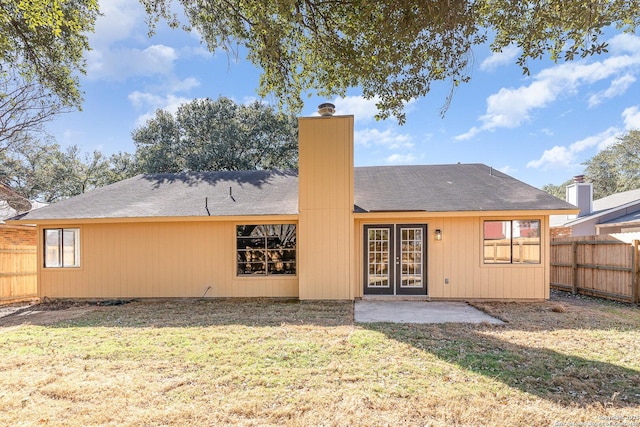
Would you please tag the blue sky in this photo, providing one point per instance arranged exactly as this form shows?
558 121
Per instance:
537 128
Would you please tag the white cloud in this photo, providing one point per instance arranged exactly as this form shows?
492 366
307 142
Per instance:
364 110
468 134
556 156
121 64
118 20
511 107
497 59
601 140
387 138
563 157
151 103
184 85
120 45
618 87
401 159
142 99
624 43
631 117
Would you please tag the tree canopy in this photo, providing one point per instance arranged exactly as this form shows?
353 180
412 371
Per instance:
612 170
207 135
558 191
24 107
41 170
394 50
44 41
616 168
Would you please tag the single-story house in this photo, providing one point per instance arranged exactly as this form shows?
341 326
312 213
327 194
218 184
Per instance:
617 213
327 231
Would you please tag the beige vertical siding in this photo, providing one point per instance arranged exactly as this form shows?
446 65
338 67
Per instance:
158 259
458 257
326 257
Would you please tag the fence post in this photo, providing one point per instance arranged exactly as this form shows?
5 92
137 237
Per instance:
635 287
574 268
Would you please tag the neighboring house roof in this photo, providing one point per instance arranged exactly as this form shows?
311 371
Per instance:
433 188
616 200
12 204
627 219
605 206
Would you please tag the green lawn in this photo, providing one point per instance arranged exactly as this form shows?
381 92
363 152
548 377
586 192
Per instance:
565 362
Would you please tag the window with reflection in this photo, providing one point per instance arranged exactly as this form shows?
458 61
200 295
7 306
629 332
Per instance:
512 242
266 249
61 247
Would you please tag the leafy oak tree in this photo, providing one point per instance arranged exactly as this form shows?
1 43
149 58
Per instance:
394 50
612 170
43 171
25 106
617 167
42 43
558 191
207 135
44 40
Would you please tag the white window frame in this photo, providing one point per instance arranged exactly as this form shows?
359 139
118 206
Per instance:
59 252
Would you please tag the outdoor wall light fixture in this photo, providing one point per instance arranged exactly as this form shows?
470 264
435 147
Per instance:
438 234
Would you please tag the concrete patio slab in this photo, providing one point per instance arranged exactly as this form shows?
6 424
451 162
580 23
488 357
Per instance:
419 312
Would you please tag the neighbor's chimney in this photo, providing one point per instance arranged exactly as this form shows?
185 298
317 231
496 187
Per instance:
326 109
580 194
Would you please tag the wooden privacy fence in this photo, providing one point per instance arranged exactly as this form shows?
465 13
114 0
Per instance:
524 250
596 265
18 264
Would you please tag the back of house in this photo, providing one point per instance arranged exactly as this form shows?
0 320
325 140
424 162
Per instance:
327 231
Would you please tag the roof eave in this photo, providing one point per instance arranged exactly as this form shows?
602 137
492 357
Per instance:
112 220
466 213
598 214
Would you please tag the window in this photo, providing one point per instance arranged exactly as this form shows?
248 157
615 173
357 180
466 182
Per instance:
266 249
62 247
512 242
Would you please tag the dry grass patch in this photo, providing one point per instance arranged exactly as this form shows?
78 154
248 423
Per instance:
258 362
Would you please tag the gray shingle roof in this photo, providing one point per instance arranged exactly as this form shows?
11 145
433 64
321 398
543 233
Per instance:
612 204
184 194
433 188
632 217
444 188
615 200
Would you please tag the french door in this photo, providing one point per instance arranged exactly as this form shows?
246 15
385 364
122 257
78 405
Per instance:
395 259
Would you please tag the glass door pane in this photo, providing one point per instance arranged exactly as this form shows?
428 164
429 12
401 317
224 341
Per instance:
411 258
378 257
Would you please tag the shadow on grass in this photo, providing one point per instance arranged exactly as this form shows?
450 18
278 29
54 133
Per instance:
256 312
563 379
567 380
